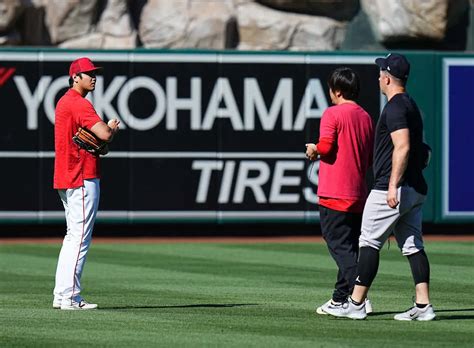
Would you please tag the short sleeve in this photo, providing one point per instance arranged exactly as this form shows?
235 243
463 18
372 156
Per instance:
328 126
396 116
85 114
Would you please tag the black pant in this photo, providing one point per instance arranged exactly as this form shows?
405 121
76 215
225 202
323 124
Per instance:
341 232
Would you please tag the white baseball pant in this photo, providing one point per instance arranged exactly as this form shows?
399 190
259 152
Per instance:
80 205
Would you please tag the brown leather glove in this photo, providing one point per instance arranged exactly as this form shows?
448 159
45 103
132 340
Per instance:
88 141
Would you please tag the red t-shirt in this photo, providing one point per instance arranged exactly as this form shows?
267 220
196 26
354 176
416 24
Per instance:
72 164
349 130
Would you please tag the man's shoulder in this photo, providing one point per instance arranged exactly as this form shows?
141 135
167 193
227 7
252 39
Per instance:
331 109
398 104
339 109
348 110
70 97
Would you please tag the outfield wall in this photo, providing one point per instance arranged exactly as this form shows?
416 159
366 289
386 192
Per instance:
217 136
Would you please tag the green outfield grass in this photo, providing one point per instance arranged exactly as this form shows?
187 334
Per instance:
227 295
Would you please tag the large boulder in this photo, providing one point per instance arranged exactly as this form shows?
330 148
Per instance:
262 28
70 19
114 30
115 20
10 10
398 20
342 10
101 40
186 23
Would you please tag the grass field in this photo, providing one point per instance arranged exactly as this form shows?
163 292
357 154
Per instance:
224 294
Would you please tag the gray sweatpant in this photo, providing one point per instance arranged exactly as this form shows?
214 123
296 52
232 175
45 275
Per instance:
379 220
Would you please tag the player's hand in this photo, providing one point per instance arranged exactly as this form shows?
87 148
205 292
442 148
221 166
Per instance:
392 197
114 124
311 151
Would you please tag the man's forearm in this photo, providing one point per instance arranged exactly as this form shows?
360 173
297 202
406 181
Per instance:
399 165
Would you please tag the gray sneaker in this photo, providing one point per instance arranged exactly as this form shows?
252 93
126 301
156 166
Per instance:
348 310
322 309
415 313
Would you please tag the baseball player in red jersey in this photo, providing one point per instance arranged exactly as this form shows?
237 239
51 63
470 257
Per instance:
345 144
77 179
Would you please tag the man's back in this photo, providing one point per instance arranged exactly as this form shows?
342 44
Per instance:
400 112
342 172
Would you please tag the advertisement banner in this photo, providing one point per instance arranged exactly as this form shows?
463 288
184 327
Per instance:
204 137
458 142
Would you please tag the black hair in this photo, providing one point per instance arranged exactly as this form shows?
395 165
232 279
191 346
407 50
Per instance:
71 80
345 81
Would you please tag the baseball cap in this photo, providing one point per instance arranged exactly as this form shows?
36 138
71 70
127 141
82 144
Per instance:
82 65
396 64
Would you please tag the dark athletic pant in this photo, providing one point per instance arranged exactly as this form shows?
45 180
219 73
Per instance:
341 232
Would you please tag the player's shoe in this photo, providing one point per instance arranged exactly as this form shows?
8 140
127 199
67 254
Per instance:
322 309
368 306
74 306
415 313
57 303
348 310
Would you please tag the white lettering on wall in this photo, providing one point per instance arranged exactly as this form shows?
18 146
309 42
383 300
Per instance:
112 101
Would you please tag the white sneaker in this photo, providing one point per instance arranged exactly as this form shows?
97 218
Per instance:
348 310
57 303
322 309
368 306
415 313
73 306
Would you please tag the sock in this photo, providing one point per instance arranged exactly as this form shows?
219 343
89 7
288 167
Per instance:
355 303
421 306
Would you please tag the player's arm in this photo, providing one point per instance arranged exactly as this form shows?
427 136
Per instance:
325 146
401 149
106 131
328 130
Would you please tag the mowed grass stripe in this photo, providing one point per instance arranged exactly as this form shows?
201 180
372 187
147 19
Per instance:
224 294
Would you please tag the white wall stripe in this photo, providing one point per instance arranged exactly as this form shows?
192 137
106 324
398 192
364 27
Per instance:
250 58
182 154
165 214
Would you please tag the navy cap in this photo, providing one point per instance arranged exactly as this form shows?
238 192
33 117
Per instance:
396 64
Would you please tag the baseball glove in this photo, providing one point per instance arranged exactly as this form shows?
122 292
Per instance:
88 141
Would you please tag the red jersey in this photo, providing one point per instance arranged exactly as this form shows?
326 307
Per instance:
72 165
349 130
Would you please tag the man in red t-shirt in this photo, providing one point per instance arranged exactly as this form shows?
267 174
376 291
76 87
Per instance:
77 179
345 148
